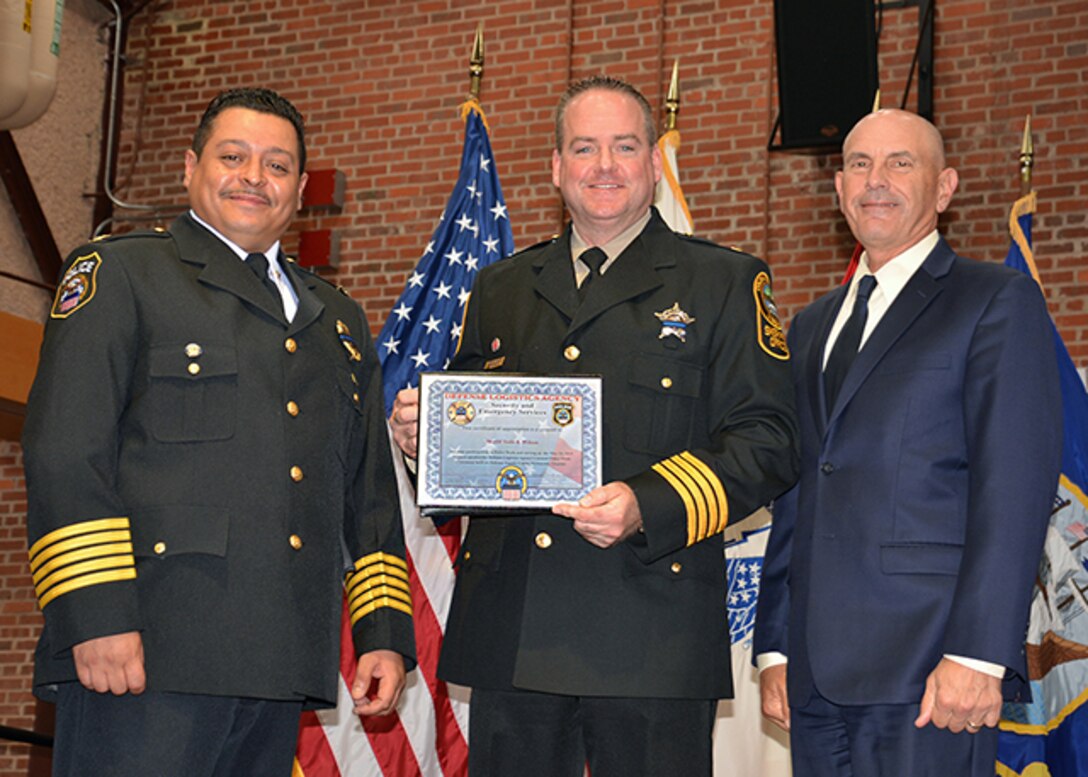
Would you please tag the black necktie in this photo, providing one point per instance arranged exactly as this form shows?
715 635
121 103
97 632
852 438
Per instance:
846 347
594 259
259 264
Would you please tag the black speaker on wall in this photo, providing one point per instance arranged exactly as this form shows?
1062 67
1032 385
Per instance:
827 69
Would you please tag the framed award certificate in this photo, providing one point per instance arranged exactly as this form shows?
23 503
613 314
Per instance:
504 442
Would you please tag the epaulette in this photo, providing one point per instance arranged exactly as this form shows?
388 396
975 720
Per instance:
154 232
711 243
309 271
541 244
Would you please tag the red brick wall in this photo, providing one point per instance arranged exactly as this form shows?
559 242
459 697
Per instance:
20 621
380 86
380 83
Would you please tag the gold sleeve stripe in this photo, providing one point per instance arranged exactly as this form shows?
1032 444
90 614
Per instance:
722 504
695 493
677 486
87 541
83 554
128 573
75 529
361 588
82 568
699 481
379 592
378 604
381 557
700 490
380 568
364 603
376 575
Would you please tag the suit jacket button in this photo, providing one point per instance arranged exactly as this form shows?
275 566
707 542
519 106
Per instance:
292 408
194 368
193 350
160 548
827 468
676 567
543 540
295 541
290 345
666 382
296 474
571 353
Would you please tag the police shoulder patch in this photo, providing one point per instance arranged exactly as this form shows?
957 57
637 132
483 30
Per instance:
77 287
769 332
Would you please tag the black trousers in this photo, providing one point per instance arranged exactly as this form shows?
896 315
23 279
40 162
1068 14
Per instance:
528 734
172 735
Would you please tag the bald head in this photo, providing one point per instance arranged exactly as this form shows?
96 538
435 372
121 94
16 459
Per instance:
928 137
893 184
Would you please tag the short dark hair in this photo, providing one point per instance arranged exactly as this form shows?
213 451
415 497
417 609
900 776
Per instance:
254 99
611 84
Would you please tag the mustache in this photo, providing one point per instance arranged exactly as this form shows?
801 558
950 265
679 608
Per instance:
246 193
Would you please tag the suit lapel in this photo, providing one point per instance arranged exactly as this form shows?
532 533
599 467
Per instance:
632 274
922 288
814 358
555 276
221 267
310 306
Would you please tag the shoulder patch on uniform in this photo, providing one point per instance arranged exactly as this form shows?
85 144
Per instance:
769 333
77 287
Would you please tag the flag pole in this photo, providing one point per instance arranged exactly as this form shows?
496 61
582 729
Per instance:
1027 158
672 99
476 63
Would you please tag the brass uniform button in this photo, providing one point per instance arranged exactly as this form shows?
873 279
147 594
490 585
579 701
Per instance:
290 345
468 555
355 397
543 540
296 474
193 350
296 541
666 382
292 408
354 379
676 567
571 353
194 368
160 548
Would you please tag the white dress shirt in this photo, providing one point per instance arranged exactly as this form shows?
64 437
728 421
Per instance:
275 272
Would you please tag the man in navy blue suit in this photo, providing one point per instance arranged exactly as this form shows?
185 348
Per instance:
899 570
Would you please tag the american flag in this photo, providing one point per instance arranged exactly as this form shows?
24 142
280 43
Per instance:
429 734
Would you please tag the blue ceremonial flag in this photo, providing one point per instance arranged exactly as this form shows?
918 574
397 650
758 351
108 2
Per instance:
1049 736
424 327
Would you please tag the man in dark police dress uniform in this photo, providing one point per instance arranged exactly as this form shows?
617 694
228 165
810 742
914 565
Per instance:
598 633
207 465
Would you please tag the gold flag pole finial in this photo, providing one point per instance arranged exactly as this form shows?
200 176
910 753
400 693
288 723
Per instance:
1027 158
672 99
476 63
876 101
